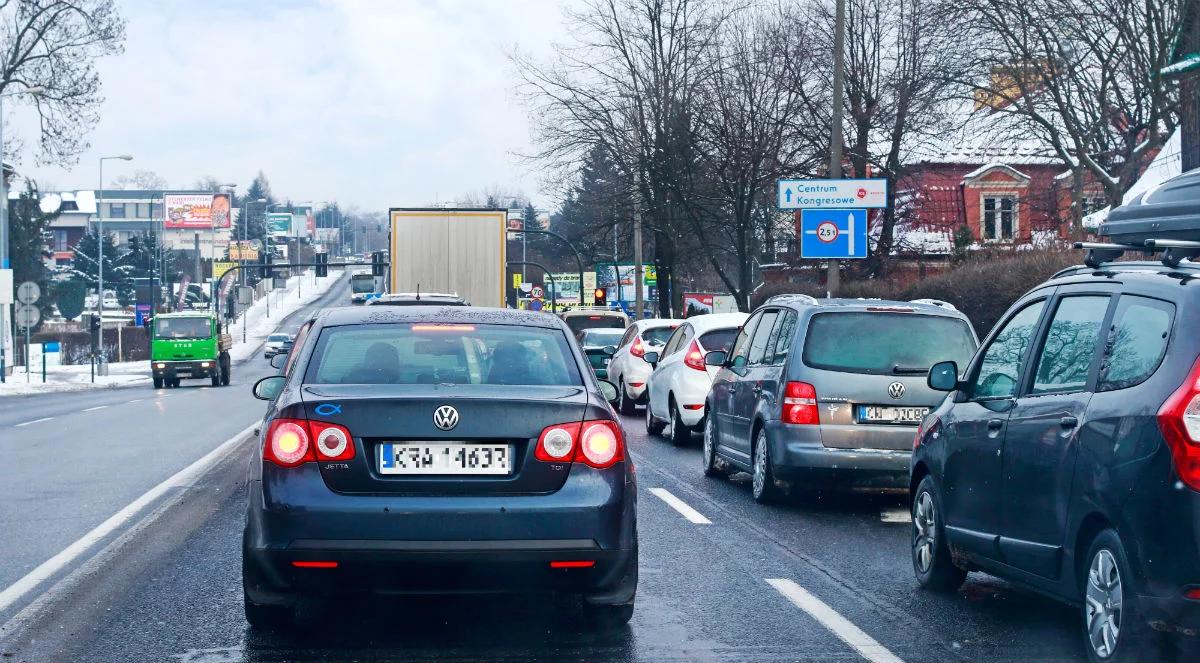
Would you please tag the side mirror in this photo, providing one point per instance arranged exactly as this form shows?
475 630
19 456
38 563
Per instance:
651 358
269 387
715 358
609 390
280 359
943 376
609 350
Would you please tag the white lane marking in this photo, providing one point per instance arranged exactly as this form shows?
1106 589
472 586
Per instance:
182 478
896 514
843 628
136 400
682 507
34 421
98 407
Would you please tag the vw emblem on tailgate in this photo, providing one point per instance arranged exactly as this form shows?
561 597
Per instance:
445 417
896 390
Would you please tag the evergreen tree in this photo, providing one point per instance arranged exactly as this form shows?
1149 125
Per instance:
29 239
254 213
531 217
85 265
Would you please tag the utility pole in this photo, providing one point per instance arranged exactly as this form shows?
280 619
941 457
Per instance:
833 279
638 297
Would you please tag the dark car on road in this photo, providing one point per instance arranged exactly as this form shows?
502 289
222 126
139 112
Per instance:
1066 456
827 392
598 346
438 450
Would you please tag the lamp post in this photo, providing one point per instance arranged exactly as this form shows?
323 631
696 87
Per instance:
4 260
102 367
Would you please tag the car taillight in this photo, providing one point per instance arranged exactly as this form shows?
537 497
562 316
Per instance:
333 442
929 426
288 443
1179 421
694 357
800 404
637 349
597 443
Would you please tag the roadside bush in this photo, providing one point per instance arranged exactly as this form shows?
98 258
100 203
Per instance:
983 286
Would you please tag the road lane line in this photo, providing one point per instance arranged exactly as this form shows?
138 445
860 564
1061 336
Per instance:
98 407
180 479
136 400
35 421
682 507
843 628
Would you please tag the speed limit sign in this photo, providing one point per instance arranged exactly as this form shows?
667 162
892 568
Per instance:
537 292
827 231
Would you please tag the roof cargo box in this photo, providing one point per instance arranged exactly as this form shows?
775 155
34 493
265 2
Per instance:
1169 211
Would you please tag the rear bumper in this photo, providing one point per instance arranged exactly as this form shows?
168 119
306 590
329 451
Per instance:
183 369
440 544
795 456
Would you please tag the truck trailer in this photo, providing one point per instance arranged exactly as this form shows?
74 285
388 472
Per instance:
459 251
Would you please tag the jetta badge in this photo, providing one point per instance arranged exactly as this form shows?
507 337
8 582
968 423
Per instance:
896 390
445 417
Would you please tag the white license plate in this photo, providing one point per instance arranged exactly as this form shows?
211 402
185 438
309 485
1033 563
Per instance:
441 458
885 414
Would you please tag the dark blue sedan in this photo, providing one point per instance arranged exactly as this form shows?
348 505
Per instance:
438 450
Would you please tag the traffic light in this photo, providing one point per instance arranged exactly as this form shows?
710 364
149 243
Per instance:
267 271
377 266
94 324
601 296
322 264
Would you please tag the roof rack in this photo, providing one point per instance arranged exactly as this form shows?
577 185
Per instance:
1173 251
794 296
935 302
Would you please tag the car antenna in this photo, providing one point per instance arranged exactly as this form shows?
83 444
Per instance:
418 292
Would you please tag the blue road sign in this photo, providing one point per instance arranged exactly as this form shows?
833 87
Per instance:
833 233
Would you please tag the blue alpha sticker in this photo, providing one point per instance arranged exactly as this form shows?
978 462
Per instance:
328 409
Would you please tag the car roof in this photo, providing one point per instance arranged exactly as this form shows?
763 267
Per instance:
185 314
655 323
710 321
363 315
923 306
594 311
1146 272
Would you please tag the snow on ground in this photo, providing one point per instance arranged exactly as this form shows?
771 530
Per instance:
283 301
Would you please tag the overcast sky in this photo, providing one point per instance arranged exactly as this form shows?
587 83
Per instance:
372 103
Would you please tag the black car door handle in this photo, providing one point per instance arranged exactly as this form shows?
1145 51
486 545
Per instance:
995 424
1068 422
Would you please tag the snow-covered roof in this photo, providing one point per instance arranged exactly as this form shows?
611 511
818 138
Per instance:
1185 64
991 166
983 137
1166 165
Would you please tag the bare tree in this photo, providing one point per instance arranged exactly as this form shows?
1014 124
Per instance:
53 45
145 180
1083 76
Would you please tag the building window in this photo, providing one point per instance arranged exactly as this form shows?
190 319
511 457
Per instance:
999 223
155 210
143 210
116 210
60 241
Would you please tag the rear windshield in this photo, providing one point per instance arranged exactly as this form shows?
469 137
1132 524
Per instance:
279 337
601 337
362 283
718 339
658 335
182 328
440 354
578 323
885 343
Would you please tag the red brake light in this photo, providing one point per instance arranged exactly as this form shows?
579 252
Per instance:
1193 593
315 565
928 426
572 564
800 404
288 443
597 443
1179 421
694 357
637 349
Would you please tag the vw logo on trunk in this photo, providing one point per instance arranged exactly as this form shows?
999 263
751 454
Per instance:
445 417
896 390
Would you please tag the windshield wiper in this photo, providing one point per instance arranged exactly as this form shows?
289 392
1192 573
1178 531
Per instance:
908 370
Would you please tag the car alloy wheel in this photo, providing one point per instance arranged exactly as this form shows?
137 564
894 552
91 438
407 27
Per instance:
1105 599
710 449
925 540
762 484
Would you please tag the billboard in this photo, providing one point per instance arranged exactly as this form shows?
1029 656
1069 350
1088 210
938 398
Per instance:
330 236
196 210
279 223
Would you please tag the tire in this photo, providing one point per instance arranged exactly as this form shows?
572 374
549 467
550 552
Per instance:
216 376
1113 636
267 617
677 432
173 384
608 616
626 405
762 484
932 564
653 426
225 377
158 383
712 468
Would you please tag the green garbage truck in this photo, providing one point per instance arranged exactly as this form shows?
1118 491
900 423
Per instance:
188 344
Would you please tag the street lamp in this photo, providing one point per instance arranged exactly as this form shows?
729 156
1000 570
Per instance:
35 91
103 366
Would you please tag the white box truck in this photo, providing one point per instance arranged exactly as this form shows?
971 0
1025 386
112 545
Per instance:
456 251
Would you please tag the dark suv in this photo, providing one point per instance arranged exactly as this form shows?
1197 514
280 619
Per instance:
1067 454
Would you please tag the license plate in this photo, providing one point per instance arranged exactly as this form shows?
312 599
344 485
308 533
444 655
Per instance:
441 458
885 414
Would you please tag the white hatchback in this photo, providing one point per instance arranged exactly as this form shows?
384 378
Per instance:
679 383
627 369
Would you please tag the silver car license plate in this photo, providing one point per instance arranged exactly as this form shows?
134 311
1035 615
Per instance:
889 414
442 458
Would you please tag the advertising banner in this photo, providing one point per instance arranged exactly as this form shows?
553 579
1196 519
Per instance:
196 210
329 236
279 223
219 267
242 251
697 303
